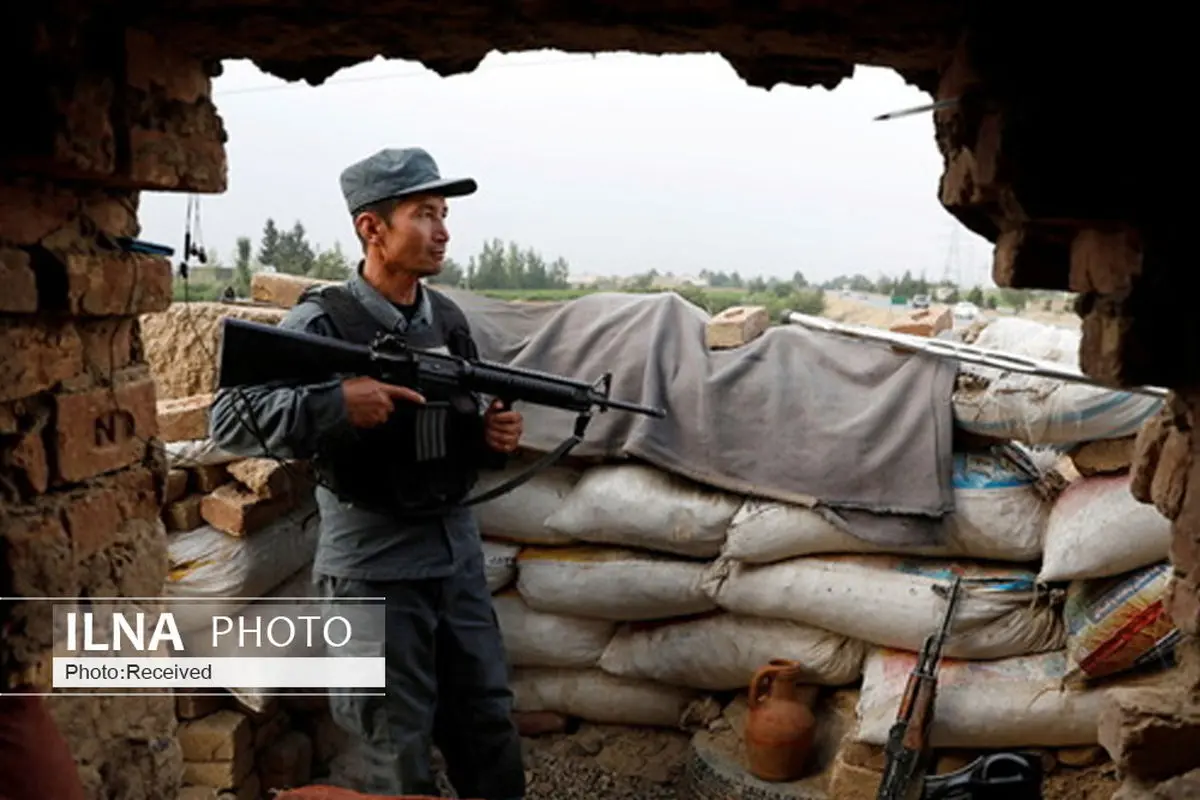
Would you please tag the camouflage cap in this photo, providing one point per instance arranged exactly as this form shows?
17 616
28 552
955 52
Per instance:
398 172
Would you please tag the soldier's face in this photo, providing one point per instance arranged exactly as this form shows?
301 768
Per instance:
416 238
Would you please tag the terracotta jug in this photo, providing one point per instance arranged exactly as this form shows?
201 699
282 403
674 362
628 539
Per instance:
781 726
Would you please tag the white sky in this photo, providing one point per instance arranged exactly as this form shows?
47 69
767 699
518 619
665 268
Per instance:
620 163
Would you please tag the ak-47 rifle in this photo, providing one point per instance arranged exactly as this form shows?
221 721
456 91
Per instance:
1014 776
253 353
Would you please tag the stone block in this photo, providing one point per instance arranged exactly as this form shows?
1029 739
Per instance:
280 290
103 429
176 485
265 477
207 477
184 515
20 284
217 737
1105 261
36 356
1151 734
736 326
240 512
1103 457
95 514
286 763
928 322
117 283
184 419
189 705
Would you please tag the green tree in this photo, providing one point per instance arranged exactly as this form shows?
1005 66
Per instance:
293 254
241 269
268 250
976 296
330 265
451 275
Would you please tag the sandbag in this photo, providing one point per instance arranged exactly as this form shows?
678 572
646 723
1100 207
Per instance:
499 564
998 515
197 452
631 505
1038 410
1013 702
722 652
610 583
208 563
891 602
520 515
536 639
596 696
1118 624
1098 529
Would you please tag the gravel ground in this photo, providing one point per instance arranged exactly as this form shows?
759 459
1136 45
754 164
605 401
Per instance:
606 762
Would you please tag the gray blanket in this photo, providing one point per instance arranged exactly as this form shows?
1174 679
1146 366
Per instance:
797 416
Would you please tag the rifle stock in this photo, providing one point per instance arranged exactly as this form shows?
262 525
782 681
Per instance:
253 353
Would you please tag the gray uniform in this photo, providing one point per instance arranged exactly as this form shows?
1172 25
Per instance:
443 639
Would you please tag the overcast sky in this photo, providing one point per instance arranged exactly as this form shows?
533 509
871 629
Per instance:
620 163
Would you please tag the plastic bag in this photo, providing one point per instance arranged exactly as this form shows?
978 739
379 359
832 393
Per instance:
608 583
639 506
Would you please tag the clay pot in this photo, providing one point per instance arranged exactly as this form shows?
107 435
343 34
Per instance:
780 727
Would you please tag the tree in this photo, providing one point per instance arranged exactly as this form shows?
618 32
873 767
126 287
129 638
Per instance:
293 254
976 296
330 265
451 275
268 251
241 269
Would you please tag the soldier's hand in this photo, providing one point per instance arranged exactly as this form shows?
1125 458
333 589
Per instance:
503 429
370 402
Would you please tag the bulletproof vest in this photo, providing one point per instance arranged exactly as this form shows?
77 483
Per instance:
425 456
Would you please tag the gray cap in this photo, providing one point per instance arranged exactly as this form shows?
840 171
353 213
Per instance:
398 172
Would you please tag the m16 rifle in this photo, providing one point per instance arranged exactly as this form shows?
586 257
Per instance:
253 353
1015 776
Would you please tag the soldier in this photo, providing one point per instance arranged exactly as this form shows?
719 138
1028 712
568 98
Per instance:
393 467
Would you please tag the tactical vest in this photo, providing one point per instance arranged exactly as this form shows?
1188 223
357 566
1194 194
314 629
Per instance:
424 457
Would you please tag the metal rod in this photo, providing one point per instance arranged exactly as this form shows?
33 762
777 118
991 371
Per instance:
965 353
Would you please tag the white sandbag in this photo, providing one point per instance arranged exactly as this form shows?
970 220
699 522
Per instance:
1014 702
632 505
723 651
210 564
499 564
520 515
1037 410
608 583
535 639
1098 529
197 452
891 602
998 516
596 696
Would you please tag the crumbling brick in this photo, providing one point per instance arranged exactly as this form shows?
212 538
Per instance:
1025 258
35 356
133 565
95 515
189 705
850 782
103 429
207 477
287 762
184 515
170 161
1103 457
1171 473
1105 261
265 477
31 210
1151 734
117 283
1183 604
184 419
19 282
23 463
216 737
1147 450
176 485
107 345
240 512
112 213
150 66
37 556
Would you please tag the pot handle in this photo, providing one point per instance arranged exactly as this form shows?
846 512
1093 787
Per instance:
760 684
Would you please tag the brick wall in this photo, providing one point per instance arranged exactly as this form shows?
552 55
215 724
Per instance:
104 113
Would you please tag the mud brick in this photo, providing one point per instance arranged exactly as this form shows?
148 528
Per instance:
193 706
239 512
736 326
32 210
150 66
107 344
24 463
280 290
1151 734
112 213
177 485
850 782
117 283
272 729
1104 457
217 737
19 282
95 514
207 477
1171 473
184 419
287 762
1183 604
1105 261
103 429
265 477
184 515
219 774
1147 451
35 356
928 322
38 556
1026 258
168 161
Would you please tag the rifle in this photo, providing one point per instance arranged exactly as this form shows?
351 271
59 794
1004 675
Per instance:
254 353
1007 776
